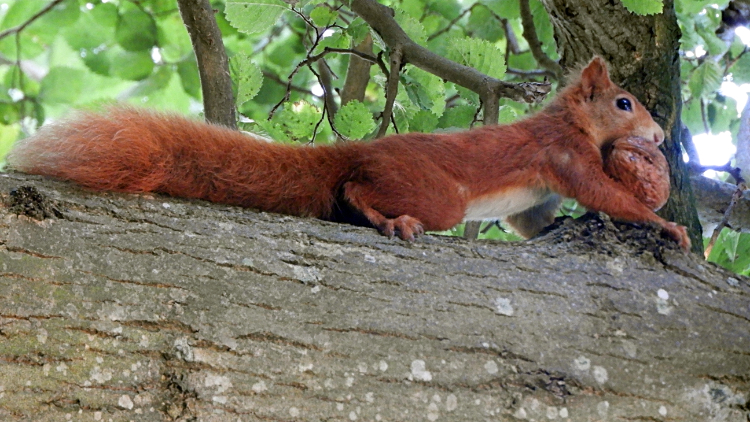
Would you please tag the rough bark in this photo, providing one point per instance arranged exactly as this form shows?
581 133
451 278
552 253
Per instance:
127 307
643 52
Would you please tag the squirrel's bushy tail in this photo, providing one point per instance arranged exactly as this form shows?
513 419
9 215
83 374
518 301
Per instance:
130 150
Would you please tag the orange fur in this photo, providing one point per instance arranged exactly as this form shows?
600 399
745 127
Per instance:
400 184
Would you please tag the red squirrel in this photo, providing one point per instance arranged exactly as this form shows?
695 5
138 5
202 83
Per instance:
401 184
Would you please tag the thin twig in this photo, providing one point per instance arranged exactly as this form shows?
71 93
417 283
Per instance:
510 36
314 58
452 22
275 78
530 73
725 220
704 117
381 19
727 168
31 20
391 90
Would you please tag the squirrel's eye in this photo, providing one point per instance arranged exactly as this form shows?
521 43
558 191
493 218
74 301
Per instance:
624 104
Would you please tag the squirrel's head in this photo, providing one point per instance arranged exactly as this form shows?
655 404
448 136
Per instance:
606 111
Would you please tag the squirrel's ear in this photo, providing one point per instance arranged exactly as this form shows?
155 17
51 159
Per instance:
595 77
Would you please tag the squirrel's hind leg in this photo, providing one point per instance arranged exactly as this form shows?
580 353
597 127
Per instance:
405 226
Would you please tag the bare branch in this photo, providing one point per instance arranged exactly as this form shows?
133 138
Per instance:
510 36
530 73
391 90
380 18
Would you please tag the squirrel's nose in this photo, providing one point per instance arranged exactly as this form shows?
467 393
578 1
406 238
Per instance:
659 136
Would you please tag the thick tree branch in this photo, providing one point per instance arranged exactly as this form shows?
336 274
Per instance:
357 73
150 308
213 65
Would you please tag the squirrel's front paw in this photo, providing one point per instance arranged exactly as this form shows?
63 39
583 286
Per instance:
679 234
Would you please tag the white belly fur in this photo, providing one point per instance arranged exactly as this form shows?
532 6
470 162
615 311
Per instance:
505 203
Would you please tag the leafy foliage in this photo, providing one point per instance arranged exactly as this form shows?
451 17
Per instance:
247 78
732 251
286 57
480 54
354 120
643 7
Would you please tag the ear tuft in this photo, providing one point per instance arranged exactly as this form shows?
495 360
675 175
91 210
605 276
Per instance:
595 77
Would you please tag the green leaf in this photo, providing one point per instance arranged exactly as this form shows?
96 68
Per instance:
487 26
8 135
731 242
714 45
643 7
132 65
20 11
424 121
9 114
691 7
507 115
504 8
247 77
544 30
252 16
358 30
459 117
190 78
706 79
479 54
62 85
448 9
732 251
323 16
136 31
692 117
174 40
168 96
296 122
722 113
740 70
354 120
411 26
97 61
94 29
425 90
63 14
336 40
157 81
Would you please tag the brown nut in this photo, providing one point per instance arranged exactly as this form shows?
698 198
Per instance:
638 165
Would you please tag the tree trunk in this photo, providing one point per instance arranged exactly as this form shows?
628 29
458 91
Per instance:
143 308
643 52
